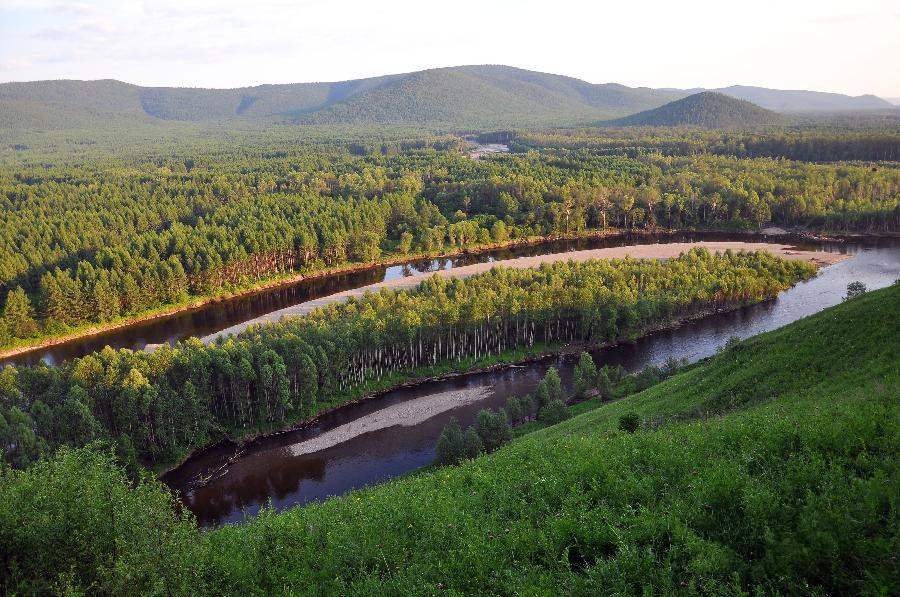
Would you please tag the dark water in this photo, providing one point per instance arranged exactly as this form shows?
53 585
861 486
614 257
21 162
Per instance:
373 441
217 316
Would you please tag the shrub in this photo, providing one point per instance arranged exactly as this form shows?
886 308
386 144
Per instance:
554 412
450 448
855 289
472 445
585 375
549 388
630 422
493 429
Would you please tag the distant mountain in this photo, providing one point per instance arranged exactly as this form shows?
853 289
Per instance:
804 101
486 95
707 109
458 95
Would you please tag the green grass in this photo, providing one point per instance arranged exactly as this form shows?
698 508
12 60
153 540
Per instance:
769 467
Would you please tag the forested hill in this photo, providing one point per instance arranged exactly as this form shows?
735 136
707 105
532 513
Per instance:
708 110
486 95
490 94
458 95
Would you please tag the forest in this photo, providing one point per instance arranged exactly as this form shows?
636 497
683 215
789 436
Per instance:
87 242
157 406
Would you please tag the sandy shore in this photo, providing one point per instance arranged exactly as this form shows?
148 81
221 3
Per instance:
659 251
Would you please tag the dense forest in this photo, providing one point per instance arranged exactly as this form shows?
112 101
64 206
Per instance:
707 110
770 467
156 405
91 242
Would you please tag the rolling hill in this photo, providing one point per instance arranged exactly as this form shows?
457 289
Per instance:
486 95
707 109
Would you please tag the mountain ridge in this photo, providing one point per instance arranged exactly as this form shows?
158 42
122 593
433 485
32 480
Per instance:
472 94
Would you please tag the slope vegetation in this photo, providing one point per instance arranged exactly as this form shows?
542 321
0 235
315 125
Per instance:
707 110
769 468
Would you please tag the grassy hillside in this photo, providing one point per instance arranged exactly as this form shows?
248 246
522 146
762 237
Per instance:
768 468
707 110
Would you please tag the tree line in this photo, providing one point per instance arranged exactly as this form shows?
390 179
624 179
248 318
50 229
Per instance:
155 406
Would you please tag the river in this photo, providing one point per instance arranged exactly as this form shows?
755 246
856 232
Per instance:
375 440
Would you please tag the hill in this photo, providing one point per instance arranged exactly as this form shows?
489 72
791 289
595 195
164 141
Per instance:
784 100
462 96
768 468
706 109
458 95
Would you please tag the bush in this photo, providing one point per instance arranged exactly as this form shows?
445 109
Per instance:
604 383
630 422
554 412
549 388
493 429
855 289
472 445
450 447
585 375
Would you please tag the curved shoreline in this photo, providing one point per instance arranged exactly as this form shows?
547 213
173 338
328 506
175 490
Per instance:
655 251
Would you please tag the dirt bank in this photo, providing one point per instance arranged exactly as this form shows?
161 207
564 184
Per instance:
659 251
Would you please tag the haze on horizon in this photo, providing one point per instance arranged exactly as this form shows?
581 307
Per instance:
829 45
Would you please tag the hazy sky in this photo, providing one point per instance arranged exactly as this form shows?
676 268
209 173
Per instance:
827 45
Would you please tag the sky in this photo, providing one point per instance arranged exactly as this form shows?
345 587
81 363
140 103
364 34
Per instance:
822 45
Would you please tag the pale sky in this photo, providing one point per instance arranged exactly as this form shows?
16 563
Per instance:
823 45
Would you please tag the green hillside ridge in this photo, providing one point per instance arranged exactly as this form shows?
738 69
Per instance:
770 468
707 110
460 96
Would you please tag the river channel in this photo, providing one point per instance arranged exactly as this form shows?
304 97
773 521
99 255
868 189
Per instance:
390 435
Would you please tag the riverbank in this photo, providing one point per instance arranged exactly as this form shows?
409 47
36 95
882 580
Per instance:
656 251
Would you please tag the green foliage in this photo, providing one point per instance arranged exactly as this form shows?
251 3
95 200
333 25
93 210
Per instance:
75 523
450 447
585 375
706 109
553 412
604 383
630 422
855 289
493 429
549 388
794 493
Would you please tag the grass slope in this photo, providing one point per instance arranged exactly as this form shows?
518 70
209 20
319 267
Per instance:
707 110
771 467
